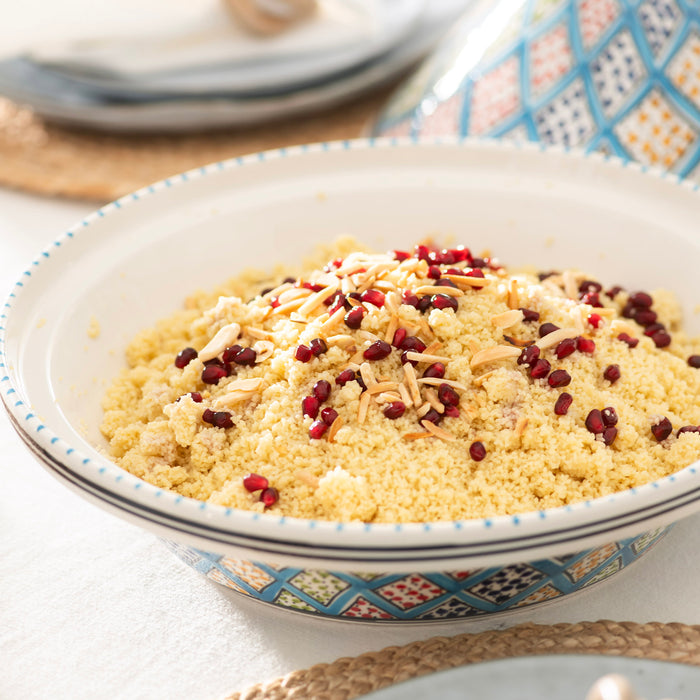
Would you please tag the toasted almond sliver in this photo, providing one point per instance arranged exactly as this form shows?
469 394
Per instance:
463 281
264 349
405 396
521 425
306 476
224 337
350 365
434 401
427 330
555 337
318 298
358 357
367 374
437 431
278 290
422 410
290 306
605 311
258 333
391 328
473 346
424 357
513 297
481 378
347 286
387 397
333 320
233 397
341 340
380 387
391 302
293 293
435 345
493 354
507 318
336 425
363 408
434 381
252 384
410 378
620 326
431 289
416 436
517 342
570 286
368 335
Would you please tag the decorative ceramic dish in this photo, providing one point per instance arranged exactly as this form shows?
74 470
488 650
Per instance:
133 261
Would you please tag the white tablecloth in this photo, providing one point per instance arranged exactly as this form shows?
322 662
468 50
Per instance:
93 607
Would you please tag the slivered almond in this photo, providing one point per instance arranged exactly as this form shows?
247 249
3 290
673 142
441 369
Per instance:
436 289
391 302
263 349
481 378
416 436
347 286
341 340
387 397
350 365
367 374
384 286
605 311
405 396
513 296
620 326
410 378
363 407
507 318
427 330
353 302
293 293
555 337
422 410
258 333
277 290
336 425
437 431
233 397
294 317
290 306
380 387
465 282
517 342
435 345
368 335
434 401
358 357
570 286
521 425
223 338
252 384
391 328
333 320
424 357
434 381
473 346
307 477
493 354
318 298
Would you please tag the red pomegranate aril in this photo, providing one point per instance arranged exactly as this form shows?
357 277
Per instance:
413 343
399 337
540 369
328 415
614 291
208 415
446 257
694 361
565 348
436 370
378 350
353 318
344 377
628 339
589 286
195 396
410 298
433 416
317 429
662 429
542 276
688 429
356 296
628 310
645 317
434 272
338 302
404 358
586 345
595 320
609 435
442 301
661 339
478 263
322 390
394 410
424 304
374 296
360 381
303 353
612 373
529 355
529 315
609 415
559 378
594 422
275 302
563 403
477 451
255 482
318 346
447 395
474 272
310 406
213 373
184 357
654 328
547 328
452 411
247 356
640 299
230 353
592 299
269 496
445 283
422 252
401 255
219 419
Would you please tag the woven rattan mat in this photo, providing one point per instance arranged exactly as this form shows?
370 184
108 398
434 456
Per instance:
54 160
350 677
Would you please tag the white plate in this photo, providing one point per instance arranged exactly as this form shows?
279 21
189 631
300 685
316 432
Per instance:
555 677
133 261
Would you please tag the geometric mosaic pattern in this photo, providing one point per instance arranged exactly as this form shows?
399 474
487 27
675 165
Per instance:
617 76
425 596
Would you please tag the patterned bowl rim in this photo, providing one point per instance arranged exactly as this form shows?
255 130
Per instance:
218 528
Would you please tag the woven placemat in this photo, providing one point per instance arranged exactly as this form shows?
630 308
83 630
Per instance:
48 159
351 677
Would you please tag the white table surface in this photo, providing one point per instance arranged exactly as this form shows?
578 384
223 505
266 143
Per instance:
93 607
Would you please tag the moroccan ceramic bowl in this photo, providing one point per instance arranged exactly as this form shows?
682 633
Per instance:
133 261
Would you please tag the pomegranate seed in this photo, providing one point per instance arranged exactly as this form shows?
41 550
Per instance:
310 406
452 411
328 415
255 482
558 378
592 299
404 358
231 352
662 429
542 276
594 422
410 298
269 496
563 403
394 410
529 355
694 361
547 328
360 381
353 318
247 356
442 301
289 280
422 252
585 344
447 395
609 435
540 369
195 396
631 342
461 254
614 291
434 272
433 416
219 419
322 390
529 315
378 350
317 429
565 348
208 415
477 451
213 373
653 328
640 299
455 271
589 286
595 320
609 415
446 257
478 262
318 347
612 373
184 357
399 337
661 339
401 255
337 303
628 310
344 377
423 304
474 272
303 353
373 296
436 370
414 343
275 302
356 296
645 317
446 283
688 429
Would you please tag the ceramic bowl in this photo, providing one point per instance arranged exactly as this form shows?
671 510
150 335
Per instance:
133 262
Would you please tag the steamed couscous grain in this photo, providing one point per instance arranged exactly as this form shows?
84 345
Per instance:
408 387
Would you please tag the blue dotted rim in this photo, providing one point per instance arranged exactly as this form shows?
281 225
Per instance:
268 534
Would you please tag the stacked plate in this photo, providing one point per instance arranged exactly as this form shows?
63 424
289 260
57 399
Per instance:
199 70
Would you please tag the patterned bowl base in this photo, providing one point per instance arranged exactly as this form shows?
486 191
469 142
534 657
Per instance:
419 597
